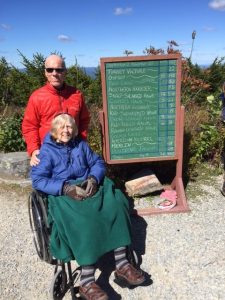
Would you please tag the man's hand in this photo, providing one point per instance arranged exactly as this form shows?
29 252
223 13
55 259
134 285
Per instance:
34 161
75 192
90 185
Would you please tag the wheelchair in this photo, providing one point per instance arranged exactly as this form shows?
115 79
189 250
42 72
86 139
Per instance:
64 278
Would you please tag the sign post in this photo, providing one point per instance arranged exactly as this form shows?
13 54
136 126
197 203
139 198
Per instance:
142 119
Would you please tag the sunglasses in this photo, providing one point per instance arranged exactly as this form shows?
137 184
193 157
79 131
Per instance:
58 70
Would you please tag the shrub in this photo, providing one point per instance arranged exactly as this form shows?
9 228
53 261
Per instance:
194 85
204 133
10 134
94 135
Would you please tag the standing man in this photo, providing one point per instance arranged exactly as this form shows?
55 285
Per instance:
46 102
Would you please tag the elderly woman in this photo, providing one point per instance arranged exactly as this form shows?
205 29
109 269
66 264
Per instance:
88 216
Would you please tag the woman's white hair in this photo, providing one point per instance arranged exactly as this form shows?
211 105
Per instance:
60 121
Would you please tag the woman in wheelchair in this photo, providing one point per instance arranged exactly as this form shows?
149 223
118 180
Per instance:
88 215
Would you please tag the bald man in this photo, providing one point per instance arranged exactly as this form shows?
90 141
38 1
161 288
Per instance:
46 102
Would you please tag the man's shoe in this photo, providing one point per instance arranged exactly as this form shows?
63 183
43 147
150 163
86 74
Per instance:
92 292
128 276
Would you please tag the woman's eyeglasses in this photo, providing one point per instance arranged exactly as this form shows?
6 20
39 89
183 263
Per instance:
58 70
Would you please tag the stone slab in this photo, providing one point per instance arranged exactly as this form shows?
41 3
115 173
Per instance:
143 183
14 165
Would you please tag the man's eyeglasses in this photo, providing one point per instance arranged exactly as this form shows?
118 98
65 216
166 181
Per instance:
58 70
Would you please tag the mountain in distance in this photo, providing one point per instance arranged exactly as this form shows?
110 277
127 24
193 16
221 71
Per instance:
90 71
204 66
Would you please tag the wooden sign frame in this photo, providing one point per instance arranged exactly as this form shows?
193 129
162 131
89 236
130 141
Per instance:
140 60
177 183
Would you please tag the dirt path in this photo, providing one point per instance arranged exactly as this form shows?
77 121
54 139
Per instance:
183 254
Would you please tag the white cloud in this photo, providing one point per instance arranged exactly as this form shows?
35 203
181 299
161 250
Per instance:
64 38
208 29
217 5
183 43
123 11
5 26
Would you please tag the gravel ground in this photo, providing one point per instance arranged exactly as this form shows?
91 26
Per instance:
182 254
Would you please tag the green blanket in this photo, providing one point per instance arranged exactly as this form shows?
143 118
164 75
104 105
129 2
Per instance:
85 230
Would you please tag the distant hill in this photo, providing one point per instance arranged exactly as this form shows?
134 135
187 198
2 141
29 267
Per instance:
204 66
90 71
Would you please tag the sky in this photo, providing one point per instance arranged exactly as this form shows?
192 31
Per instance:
83 31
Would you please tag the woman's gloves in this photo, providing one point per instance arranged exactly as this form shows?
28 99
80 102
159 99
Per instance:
90 185
74 191
87 189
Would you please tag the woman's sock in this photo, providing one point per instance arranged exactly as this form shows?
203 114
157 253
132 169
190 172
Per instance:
87 275
120 257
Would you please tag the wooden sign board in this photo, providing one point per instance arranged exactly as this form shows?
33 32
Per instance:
142 119
140 100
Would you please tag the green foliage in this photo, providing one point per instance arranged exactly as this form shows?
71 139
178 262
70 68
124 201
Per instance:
34 70
200 90
206 133
17 85
215 75
94 92
94 135
20 87
194 85
77 77
10 134
94 140
206 143
4 86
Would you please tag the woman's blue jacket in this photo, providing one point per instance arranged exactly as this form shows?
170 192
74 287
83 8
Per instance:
61 163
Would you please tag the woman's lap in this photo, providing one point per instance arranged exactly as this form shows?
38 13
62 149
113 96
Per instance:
85 230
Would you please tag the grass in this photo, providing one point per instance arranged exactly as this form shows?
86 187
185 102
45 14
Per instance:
206 175
9 188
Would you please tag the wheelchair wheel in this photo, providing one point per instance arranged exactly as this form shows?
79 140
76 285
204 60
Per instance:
58 286
39 225
132 257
